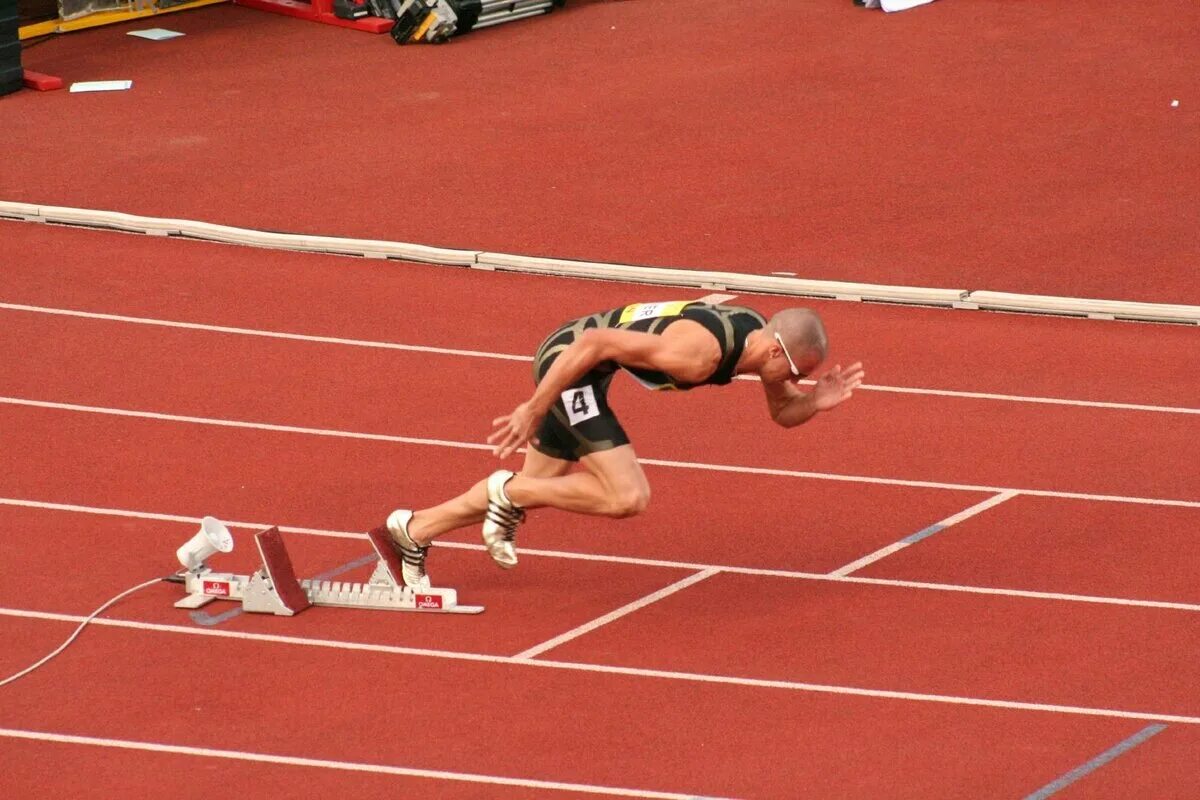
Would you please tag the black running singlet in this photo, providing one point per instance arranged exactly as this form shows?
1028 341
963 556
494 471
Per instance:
730 325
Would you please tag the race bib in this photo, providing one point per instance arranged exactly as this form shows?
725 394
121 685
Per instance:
580 403
638 311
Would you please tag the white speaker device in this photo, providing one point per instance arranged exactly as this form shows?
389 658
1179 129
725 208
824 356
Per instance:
213 537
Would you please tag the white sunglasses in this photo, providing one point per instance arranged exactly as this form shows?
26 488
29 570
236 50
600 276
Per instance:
787 355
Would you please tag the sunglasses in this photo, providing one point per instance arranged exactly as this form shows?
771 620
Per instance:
788 356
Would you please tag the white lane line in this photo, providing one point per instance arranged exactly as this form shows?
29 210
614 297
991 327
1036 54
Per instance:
716 299
230 423
960 487
1011 398
347 766
511 357
907 541
606 669
1023 593
298 337
120 512
643 562
1017 398
658 462
628 608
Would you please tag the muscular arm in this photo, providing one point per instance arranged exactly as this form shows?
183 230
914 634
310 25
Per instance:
685 351
788 405
791 407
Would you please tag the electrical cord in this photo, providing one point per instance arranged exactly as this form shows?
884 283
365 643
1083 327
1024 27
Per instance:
174 578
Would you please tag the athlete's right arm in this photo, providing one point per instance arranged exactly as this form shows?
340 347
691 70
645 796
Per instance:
678 351
685 351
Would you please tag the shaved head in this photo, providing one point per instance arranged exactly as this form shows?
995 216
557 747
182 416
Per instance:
801 330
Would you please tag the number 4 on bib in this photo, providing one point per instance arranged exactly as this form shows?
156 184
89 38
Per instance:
580 404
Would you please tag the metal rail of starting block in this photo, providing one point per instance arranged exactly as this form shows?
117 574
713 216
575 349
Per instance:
437 20
275 589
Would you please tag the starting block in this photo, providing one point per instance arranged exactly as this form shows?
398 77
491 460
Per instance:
275 589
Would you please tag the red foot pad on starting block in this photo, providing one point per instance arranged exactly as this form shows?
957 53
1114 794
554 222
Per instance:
381 540
278 565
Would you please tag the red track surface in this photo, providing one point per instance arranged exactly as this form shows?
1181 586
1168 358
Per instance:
983 145
613 730
190 778
442 693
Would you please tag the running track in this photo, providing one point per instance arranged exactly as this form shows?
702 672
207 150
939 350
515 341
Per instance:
987 144
1055 621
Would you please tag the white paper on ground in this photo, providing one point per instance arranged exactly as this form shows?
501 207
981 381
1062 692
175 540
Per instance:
101 86
903 5
155 34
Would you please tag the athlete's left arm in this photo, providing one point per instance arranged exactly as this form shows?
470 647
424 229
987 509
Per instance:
790 407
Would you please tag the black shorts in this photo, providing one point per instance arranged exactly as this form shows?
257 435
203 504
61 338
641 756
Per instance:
580 422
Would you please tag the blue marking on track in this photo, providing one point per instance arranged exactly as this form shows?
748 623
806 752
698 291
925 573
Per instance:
208 620
924 533
1099 761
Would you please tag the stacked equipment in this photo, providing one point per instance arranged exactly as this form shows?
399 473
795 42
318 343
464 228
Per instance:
11 74
437 20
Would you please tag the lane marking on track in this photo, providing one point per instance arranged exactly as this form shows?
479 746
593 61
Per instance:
298 337
1017 398
349 766
657 462
510 357
607 669
118 512
1054 787
925 533
716 299
616 614
230 423
640 562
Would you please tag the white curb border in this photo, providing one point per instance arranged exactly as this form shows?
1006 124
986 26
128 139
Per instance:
662 276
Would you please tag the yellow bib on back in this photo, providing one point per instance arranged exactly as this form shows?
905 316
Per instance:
633 313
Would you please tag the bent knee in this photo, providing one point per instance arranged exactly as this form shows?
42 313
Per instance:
629 502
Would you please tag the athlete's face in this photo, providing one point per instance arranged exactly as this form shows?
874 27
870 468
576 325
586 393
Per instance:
779 367
807 363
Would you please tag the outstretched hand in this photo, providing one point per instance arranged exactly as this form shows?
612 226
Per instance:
514 430
837 385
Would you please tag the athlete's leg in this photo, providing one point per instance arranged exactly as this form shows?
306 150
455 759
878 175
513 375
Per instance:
469 507
611 484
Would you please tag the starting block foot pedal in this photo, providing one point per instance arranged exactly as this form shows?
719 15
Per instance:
391 568
390 571
274 589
